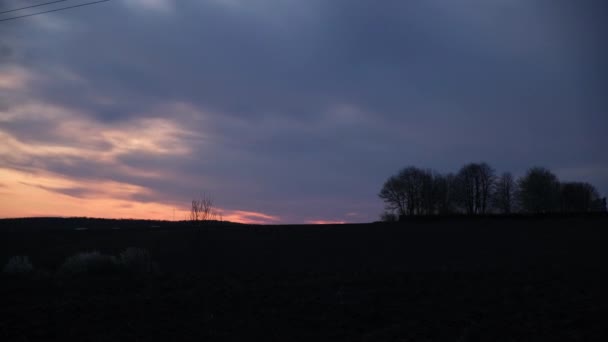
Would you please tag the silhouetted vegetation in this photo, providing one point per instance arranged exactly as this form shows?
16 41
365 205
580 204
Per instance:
137 261
580 197
476 190
504 194
474 184
202 211
539 191
132 261
89 263
18 265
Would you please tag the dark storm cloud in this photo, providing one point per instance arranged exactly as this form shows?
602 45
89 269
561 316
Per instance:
310 105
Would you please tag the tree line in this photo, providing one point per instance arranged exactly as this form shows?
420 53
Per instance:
476 189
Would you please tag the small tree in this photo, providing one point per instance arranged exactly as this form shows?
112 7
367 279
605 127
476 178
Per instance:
202 210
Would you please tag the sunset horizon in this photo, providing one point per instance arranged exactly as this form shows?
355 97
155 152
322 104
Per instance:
287 112
303 170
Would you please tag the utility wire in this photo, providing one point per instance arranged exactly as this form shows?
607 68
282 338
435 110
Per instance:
54 10
22 8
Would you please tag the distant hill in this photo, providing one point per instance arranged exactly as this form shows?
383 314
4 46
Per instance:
88 223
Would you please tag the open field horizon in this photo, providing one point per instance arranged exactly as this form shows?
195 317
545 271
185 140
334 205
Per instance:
344 170
433 279
436 242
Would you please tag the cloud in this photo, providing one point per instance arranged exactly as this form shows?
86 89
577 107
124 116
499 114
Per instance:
299 110
13 78
248 217
45 194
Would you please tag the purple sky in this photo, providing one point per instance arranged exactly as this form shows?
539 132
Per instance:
290 111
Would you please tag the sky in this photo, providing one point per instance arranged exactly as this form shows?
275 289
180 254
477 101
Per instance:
290 111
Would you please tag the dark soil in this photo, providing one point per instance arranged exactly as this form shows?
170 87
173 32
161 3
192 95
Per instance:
441 279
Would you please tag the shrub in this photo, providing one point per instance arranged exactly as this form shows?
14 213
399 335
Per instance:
389 216
18 265
137 261
90 263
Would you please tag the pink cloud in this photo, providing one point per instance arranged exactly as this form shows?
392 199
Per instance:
250 217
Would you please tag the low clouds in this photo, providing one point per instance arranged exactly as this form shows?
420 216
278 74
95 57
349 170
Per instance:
298 110
13 78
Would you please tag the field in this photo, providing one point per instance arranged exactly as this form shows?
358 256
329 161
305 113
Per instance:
426 279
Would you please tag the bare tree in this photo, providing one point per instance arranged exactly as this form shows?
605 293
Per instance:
393 194
475 190
411 192
486 179
465 192
202 210
428 191
475 184
504 193
445 193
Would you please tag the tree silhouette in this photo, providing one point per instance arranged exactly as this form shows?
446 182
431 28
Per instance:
428 192
578 197
474 185
599 205
476 190
445 191
539 191
504 193
393 194
410 192
389 216
202 210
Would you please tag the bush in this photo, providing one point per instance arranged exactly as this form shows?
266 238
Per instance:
91 263
388 216
137 261
18 265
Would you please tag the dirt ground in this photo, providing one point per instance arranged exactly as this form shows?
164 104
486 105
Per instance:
440 279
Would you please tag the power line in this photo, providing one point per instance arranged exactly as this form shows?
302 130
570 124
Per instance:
22 8
55 10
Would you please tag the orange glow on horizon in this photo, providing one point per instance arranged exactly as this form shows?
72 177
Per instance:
325 222
70 136
27 194
249 217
